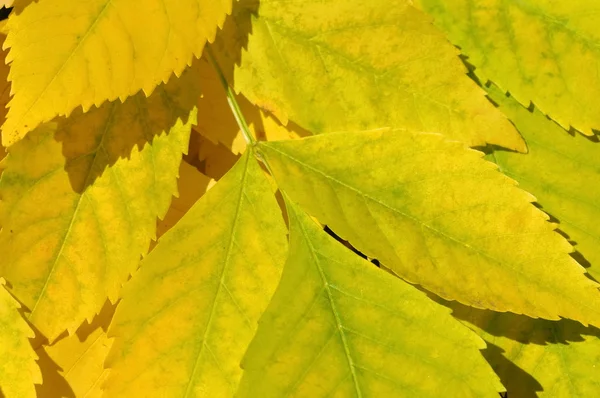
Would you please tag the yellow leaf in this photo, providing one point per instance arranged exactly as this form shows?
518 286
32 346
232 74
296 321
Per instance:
438 215
339 327
189 313
80 358
80 201
191 186
332 65
561 170
545 52
555 359
217 123
18 370
66 53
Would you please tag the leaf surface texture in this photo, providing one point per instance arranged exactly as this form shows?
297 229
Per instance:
18 370
541 51
188 315
561 170
438 215
65 54
535 357
108 174
329 67
371 334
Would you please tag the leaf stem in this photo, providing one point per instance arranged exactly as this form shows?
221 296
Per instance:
235 108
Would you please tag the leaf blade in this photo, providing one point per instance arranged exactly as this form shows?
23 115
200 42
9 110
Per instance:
18 370
77 219
542 52
560 171
425 204
335 313
317 63
199 293
99 50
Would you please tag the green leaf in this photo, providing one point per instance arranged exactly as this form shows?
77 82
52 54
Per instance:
66 53
80 198
338 326
188 315
18 370
556 359
437 215
541 51
561 170
332 65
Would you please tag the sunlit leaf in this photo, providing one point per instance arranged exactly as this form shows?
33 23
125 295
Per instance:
18 370
541 51
333 65
561 170
80 198
189 313
437 215
338 326
79 359
66 53
555 359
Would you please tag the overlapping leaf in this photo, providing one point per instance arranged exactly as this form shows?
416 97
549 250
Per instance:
80 199
437 215
561 170
188 315
541 51
342 65
191 185
74 366
338 326
18 370
555 359
218 124
64 53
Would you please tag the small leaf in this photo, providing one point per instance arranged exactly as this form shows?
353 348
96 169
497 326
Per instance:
437 215
189 313
338 326
18 370
80 202
332 65
98 50
542 51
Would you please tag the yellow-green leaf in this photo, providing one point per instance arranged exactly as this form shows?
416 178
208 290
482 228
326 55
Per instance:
18 370
556 359
66 53
339 327
333 65
437 215
561 170
80 198
541 51
189 313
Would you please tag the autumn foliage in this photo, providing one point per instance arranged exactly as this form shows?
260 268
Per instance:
318 198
